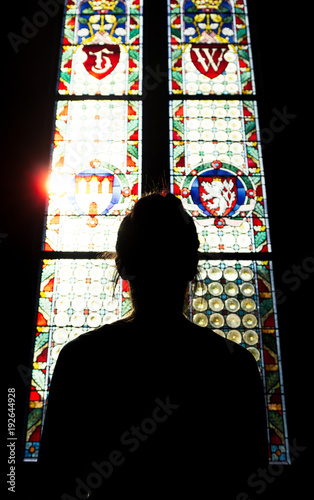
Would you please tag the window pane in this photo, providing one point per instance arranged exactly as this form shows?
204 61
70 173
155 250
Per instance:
75 296
102 48
95 180
209 48
95 173
236 300
216 169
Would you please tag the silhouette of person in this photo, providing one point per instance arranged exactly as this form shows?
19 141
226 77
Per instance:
152 405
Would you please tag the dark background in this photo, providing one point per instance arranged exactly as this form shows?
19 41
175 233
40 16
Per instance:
283 75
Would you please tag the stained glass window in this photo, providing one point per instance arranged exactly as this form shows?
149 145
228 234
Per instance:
236 299
95 173
215 145
95 179
216 169
75 296
101 51
210 50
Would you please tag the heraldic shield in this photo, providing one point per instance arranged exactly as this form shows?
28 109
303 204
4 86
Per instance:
93 192
218 191
101 59
218 194
209 59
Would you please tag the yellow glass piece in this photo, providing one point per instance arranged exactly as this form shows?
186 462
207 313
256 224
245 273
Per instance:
250 337
231 289
235 336
254 352
215 289
246 273
247 289
230 274
232 305
216 320
199 289
249 320
200 304
216 304
233 320
248 305
214 273
200 319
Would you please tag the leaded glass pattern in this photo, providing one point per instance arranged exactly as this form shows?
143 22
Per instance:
236 300
95 179
95 173
209 48
217 171
75 296
101 51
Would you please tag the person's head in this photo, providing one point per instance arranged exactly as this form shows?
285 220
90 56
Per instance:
157 247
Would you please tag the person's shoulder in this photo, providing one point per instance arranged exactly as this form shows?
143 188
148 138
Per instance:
94 340
125 336
207 344
207 338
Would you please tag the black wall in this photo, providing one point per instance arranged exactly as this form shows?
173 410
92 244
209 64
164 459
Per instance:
283 73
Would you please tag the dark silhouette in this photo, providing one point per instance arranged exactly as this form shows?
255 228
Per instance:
153 406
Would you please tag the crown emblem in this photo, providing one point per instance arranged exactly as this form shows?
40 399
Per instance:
207 4
103 6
